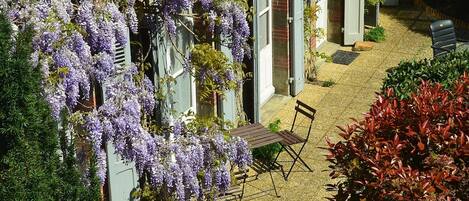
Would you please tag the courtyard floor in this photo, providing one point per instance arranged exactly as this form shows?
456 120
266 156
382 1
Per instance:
356 84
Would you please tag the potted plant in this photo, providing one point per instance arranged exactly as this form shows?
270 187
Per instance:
372 12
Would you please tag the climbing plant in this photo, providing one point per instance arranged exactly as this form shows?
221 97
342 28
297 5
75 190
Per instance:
74 49
312 34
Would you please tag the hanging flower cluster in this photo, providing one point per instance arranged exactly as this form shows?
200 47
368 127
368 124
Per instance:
234 28
175 163
227 19
74 46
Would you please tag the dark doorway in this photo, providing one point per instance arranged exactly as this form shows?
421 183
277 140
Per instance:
335 21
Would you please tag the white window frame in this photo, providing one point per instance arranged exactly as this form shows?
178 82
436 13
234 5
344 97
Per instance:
178 73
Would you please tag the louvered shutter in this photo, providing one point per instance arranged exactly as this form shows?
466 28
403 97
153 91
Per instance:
122 177
297 48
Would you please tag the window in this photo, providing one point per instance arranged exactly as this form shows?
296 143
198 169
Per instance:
264 29
182 89
263 4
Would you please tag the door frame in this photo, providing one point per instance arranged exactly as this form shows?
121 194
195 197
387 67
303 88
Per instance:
265 54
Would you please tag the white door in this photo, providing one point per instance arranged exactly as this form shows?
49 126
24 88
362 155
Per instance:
354 18
321 22
265 50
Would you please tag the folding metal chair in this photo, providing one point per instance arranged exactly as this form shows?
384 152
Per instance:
290 138
443 37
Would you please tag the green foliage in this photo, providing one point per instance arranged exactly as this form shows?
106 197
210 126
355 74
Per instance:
28 160
311 33
376 34
72 186
407 76
328 83
30 168
211 67
270 151
374 2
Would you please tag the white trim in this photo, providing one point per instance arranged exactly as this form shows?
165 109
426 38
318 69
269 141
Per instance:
264 11
265 66
265 95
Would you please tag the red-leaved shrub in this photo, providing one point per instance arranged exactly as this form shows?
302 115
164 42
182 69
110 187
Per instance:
414 149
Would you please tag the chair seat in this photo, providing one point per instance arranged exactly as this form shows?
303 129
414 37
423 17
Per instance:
290 138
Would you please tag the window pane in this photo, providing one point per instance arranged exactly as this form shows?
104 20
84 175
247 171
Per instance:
263 4
264 30
182 42
182 96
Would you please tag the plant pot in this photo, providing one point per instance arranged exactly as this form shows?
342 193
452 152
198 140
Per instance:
391 3
372 15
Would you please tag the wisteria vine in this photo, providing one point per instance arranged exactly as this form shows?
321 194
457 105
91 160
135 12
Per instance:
74 46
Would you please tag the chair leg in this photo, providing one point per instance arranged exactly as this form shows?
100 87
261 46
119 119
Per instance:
276 158
270 166
301 160
242 189
273 183
296 157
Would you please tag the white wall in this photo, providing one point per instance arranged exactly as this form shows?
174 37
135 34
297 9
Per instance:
322 21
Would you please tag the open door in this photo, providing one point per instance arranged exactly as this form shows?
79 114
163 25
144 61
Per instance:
297 46
264 31
354 21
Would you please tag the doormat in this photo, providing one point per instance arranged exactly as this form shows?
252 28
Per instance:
344 57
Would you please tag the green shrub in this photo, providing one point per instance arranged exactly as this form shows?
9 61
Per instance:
407 76
328 83
376 34
270 151
374 2
28 160
30 168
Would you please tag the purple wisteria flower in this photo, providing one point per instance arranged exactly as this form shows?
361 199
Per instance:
102 165
95 130
133 20
103 67
120 24
147 98
230 76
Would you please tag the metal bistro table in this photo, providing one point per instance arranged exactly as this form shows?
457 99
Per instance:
257 136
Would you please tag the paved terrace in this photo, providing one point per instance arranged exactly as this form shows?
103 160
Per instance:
406 38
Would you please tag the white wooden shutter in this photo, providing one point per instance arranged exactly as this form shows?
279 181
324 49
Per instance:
122 177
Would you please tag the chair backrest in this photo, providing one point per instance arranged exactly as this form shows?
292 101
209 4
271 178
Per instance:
305 110
443 37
